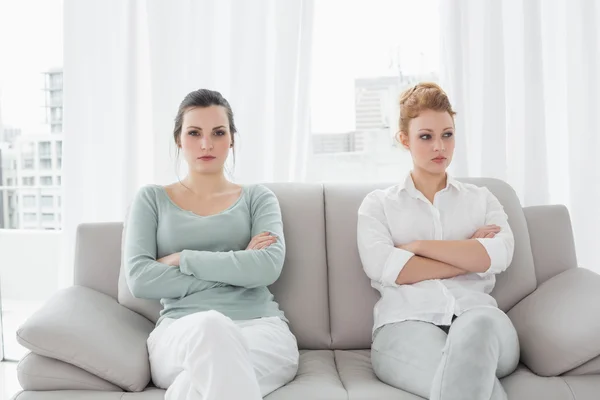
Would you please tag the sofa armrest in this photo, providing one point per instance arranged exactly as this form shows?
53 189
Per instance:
92 331
558 323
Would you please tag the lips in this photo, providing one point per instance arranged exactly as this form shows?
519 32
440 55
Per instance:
206 158
439 159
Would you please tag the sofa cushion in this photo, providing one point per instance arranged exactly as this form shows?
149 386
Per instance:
37 372
525 385
583 387
148 394
552 241
317 379
97 256
93 332
351 296
301 290
558 324
591 367
356 373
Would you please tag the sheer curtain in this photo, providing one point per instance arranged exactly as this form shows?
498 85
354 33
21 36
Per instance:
525 79
128 65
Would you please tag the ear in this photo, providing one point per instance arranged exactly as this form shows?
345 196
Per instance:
403 139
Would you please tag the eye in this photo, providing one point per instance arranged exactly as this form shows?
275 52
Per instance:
425 136
220 132
193 133
448 134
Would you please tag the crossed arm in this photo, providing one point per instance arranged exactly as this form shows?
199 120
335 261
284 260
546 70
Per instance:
488 251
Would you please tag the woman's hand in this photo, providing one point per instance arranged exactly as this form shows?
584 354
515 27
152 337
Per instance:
261 241
488 231
172 260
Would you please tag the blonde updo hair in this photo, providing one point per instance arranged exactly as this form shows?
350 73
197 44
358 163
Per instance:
423 96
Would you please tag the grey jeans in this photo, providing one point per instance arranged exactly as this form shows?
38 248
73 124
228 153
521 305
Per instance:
465 364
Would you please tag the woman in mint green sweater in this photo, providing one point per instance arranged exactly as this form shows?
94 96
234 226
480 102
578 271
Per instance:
207 249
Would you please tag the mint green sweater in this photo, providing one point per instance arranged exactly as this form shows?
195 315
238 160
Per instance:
215 272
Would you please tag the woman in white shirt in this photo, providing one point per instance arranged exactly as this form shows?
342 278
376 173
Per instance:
432 247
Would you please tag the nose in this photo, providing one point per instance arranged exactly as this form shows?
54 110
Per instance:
438 145
206 143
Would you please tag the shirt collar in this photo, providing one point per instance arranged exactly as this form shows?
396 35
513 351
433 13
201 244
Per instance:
409 185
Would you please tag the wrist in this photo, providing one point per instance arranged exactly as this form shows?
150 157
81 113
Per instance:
415 247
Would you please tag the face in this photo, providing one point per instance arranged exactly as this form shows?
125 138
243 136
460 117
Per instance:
205 139
431 141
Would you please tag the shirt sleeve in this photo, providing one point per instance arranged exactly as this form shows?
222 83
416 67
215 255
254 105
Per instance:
245 268
147 278
381 260
500 248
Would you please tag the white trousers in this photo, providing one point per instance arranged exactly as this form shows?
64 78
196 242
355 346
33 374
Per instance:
208 356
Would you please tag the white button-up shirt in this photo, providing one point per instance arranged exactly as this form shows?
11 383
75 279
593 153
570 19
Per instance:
401 214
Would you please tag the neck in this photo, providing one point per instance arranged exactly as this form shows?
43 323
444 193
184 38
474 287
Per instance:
205 184
428 184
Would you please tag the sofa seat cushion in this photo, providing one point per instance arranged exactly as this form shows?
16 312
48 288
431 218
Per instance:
148 394
37 372
360 381
317 379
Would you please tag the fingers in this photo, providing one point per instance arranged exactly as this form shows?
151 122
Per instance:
256 239
261 241
485 231
493 228
264 244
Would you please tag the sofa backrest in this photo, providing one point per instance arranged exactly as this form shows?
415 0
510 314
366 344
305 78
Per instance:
323 289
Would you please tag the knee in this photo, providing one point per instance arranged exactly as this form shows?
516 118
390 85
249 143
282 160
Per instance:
477 327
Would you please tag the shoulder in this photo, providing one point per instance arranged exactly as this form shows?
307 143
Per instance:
376 199
260 197
148 193
473 191
148 196
259 192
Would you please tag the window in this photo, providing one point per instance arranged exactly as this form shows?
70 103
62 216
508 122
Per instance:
368 68
31 75
46 163
30 217
29 201
47 217
44 148
47 201
9 182
58 180
28 163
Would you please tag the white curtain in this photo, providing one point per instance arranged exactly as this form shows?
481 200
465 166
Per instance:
128 65
524 76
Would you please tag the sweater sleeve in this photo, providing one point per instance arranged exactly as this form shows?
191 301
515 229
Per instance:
147 278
